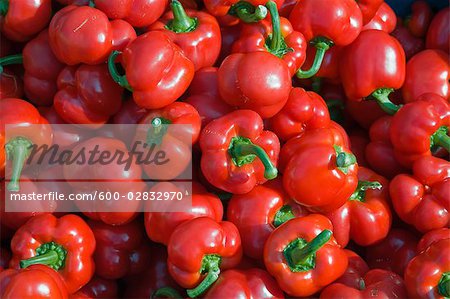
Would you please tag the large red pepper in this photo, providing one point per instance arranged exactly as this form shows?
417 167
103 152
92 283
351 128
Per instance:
23 133
66 245
428 274
438 35
246 83
427 72
97 287
303 256
276 37
22 19
251 283
366 217
200 247
120 250
422 199
258 213
420 18
160 225
156 70
304 110
37 281
197 33
384 19
325 23
373 65
87 95
369 9
420 127
431 237
237 154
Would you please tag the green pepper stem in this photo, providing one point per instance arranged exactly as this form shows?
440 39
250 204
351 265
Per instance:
49 254
381 95
91 3
322 45
284 214
344 160
243 151
11 59
17 150
440 138
299 254
157 131
444 285
210 265
247 12
119 79
361 189
166 292
181 22
275 43
4 6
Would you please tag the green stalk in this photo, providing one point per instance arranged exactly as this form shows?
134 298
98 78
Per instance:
381 95
17 150
11 59
247 12
322 45
119 79
181 22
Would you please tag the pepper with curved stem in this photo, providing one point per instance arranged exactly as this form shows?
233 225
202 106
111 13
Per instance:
17 150
276 43
181 22
444 285
247 12
381 95
210 265
166 292
322 45
49 254
119 79
12 59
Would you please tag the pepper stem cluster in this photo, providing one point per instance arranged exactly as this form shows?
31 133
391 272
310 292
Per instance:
49 254
181 22
210 267
247 12
344 160
363 186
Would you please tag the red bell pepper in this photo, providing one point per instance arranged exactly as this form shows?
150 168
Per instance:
21 20
325 23
427 72
66 245
87 95
369 9
373 65
420 127
384 19
166 71
97 287
428 274
237 154
251 283
304 110
200 247
197 33
160 225
422 199
420 18
303 256
120 250
258 213
439 31
11 85
411 44
37 281
276 36
246 83
394 252
139 13
22 135
366 217
431 237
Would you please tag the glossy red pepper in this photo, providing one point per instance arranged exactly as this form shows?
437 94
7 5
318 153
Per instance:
428 274
439 31
237 153
37 281
23 132
66 245
304 110
200 247
97 287
160 225
197 33
431 237
366 217
22 19
384 19
303 256
246 83
369 9
394 252
251 283
258 213
325 23
373 65
156 70
427 72
421 199
420 127
420 18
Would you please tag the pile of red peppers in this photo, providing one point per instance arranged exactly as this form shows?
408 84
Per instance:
320 147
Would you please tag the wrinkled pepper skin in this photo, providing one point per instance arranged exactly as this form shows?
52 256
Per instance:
246 83
22 19
439 31
431 237
251 283
427 72
321 262
384 19
37 281
66 244
229 145
427 275
421 199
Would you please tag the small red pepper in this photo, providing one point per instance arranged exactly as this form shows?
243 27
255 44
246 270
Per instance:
97 287
303 256
431 237
438 35
422 199
200 247
420 18
237 154
66 245
384 19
